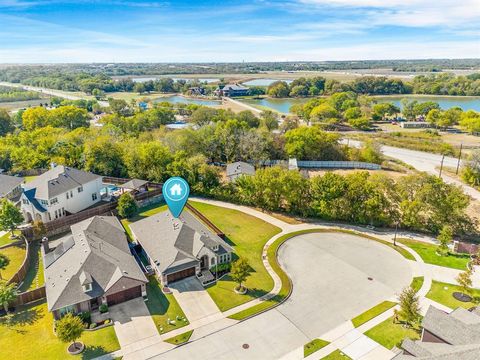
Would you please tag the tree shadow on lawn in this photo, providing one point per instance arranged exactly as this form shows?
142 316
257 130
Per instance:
22 317
92 352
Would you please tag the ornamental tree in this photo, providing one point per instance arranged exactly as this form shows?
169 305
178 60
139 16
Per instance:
8 294
409 306
240 272
10 216
69 329
127 207
4 261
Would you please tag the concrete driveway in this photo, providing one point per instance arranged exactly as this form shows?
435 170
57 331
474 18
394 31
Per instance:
330 274
132 322
194 299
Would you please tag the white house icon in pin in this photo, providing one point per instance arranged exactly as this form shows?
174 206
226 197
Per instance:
176 190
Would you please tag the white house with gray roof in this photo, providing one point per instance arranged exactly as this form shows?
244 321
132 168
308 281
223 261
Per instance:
446 336
91 266
59 192
180 247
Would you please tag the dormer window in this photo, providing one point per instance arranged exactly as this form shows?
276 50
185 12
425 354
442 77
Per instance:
87 287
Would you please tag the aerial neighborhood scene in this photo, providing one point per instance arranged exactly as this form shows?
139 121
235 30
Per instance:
228 180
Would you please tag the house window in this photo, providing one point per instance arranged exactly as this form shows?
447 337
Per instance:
213 261
49 217
56 214
67 309
80 189
53 201
87 287
63 211
25 202
94 196
68 197
71 194
44 202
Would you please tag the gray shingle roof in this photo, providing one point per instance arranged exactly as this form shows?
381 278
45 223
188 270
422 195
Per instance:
9 183
98 252
59 180
174 244
235 87
133 184
240 168
460 330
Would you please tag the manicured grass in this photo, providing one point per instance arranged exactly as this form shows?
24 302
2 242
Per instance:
163 307
389 334
28 335
428 252
286 283
314 345
373 312
336 355
180 339
5 239
442 293
16 254
247 235
417 283
34 278
143 213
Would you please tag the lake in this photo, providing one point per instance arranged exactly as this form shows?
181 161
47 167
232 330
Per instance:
464 102
264 82
176 99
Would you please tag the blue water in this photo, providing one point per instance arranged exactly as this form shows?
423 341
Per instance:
263 82
111 188
180 99
464 102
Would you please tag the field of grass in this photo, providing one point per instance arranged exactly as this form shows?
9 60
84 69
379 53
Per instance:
336 355
442 293
163 307
28 335
5 239
428 252
417 283
16 255
129 96
247 235
373 312
418 140
391 334
34 278
180 339
313 346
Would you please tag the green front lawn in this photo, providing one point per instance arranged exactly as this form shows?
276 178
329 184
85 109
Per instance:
163 307
313 346
336 355
28 335
428 252
141 214
247 234
16 254
34 278
5 239
417 283
442 293
389 334
180 339
372 313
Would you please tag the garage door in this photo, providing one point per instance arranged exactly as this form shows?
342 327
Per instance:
124 295
180 275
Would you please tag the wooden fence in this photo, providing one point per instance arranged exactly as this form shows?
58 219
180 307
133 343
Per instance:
202 217
19 276
30 296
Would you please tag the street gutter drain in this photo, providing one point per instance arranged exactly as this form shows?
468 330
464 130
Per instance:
245 346
370 278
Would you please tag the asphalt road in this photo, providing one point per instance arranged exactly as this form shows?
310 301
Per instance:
424 161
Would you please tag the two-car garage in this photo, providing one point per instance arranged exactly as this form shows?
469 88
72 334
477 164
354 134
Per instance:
181 274
124 295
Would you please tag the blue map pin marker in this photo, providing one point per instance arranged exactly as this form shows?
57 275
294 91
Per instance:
175 192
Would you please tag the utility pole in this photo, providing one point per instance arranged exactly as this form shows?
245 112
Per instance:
459 157
441 167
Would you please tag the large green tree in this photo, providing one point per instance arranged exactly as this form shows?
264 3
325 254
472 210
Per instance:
69 329
8 294
10 216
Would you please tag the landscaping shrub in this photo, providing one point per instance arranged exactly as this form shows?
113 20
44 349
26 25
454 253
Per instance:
86 317
103 308
93 326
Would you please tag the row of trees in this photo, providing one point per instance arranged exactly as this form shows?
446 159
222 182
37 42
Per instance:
418 202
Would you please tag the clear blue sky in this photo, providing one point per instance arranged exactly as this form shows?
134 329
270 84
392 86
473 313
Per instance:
258 30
